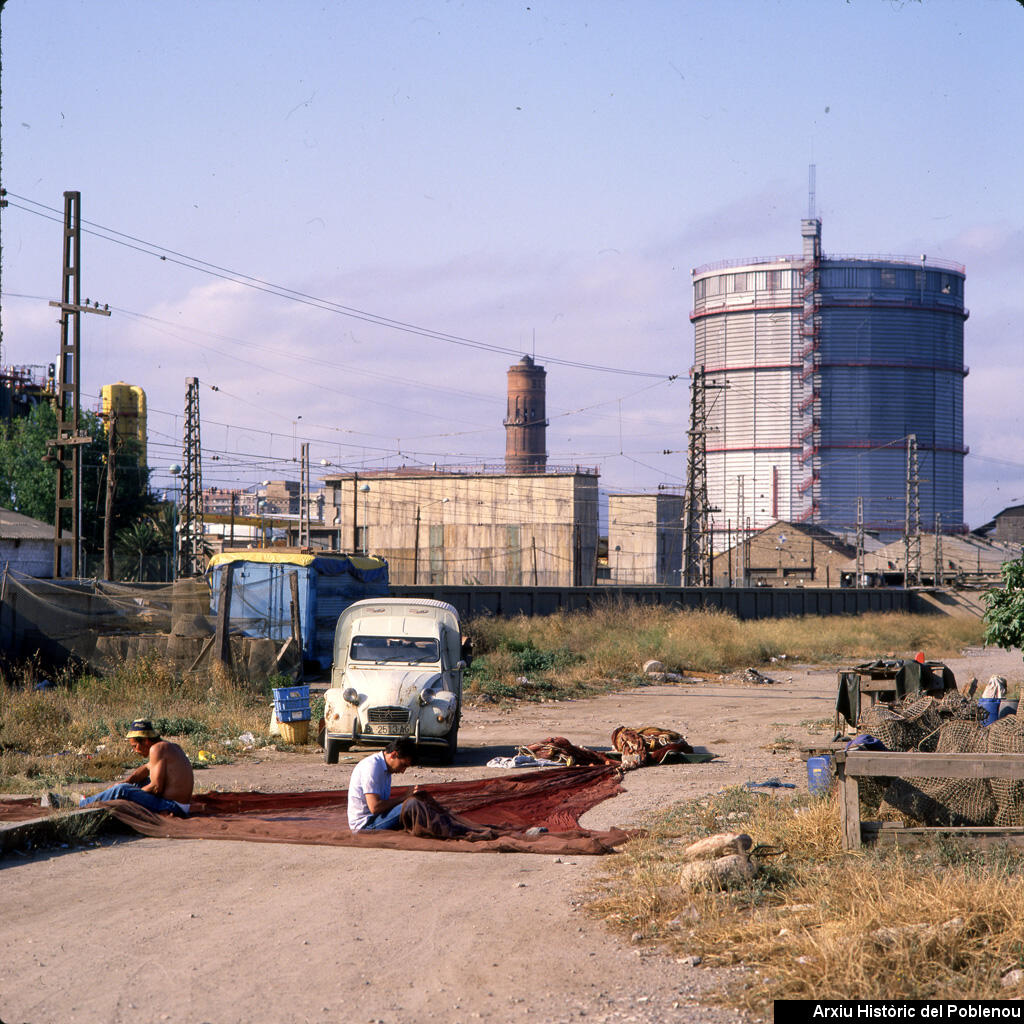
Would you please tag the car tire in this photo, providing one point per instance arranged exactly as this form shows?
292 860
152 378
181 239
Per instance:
332 748
448 757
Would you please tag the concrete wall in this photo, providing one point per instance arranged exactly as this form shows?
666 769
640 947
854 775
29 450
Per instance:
32 557
645 539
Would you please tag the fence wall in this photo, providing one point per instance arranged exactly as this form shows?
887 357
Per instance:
743 602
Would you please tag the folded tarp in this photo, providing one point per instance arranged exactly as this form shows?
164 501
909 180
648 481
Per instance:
553 799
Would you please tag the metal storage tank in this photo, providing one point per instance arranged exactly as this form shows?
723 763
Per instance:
129 402
838 372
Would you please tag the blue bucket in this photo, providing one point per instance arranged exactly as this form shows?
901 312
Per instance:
820 772
990 708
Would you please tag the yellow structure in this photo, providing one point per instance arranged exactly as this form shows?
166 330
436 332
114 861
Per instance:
128 403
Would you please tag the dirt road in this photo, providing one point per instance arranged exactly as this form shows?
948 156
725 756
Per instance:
160 930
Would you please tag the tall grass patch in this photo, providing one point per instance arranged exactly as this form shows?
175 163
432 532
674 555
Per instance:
571 653
944 922
73 732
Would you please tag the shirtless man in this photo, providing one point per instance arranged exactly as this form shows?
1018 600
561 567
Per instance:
163 784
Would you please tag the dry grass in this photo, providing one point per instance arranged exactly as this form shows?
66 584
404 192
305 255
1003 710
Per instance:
74 732
589 651
943 923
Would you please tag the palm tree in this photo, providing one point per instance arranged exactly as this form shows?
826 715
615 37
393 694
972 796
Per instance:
140 539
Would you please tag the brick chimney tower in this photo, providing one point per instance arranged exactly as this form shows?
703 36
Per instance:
525 421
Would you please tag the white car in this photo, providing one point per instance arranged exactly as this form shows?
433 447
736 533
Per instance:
397 672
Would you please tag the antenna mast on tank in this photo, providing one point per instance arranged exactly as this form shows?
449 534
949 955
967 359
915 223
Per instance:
812 173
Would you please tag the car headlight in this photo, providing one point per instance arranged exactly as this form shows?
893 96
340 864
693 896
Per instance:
350 696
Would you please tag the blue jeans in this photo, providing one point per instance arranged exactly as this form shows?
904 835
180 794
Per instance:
388 820
137 795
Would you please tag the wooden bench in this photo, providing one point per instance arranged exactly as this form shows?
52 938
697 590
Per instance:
853 765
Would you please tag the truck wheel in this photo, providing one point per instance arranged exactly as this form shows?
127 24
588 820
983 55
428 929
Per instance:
332 748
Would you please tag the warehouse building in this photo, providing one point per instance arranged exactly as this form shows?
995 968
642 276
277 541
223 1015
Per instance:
475 527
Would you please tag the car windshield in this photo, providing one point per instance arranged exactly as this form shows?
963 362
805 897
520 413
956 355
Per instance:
410 650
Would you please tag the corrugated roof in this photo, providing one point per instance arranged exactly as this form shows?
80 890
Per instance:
15 526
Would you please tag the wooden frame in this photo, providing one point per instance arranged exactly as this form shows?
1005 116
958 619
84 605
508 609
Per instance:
853 765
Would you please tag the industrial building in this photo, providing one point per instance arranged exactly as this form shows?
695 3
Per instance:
470 527
26 546
645 539
784 555
838 391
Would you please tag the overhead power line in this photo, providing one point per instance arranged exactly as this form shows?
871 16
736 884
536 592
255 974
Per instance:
293 295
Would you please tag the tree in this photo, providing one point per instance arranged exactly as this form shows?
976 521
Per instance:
137 542
1004 611
28 483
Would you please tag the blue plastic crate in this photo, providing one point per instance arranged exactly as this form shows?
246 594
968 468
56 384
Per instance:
291 693
294 715
292 709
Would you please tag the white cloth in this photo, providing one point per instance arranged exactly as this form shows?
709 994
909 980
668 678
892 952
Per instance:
996 688
523 761
371 775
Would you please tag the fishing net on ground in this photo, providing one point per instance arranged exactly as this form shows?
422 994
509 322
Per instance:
948 802
949 724
1006 736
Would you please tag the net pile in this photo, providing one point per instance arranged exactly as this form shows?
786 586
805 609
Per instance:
948 725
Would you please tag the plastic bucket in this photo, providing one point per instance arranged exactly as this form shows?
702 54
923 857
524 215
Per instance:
990 708
820 772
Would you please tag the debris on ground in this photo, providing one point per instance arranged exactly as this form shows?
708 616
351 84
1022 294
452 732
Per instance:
770 784
721 861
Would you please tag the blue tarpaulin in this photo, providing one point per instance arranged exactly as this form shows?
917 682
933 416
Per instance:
328 584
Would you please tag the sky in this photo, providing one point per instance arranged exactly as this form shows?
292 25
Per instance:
347 220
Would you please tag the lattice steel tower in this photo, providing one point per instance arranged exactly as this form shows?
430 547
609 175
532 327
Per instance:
696 508
190 541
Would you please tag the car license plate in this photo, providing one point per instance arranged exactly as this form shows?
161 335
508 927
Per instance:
390 729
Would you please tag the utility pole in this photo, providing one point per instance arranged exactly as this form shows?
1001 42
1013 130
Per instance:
355 513
912 524
938 550
741 537
696 508
108 507
192 524
416 550
67 445
304 497
860 540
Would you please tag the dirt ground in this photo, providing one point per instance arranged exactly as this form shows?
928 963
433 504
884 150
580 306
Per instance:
161 930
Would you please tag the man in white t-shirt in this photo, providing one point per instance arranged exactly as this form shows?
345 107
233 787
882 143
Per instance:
370 806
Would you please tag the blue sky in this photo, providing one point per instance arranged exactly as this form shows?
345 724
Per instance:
528 177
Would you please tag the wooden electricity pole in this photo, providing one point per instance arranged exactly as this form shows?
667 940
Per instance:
68 443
